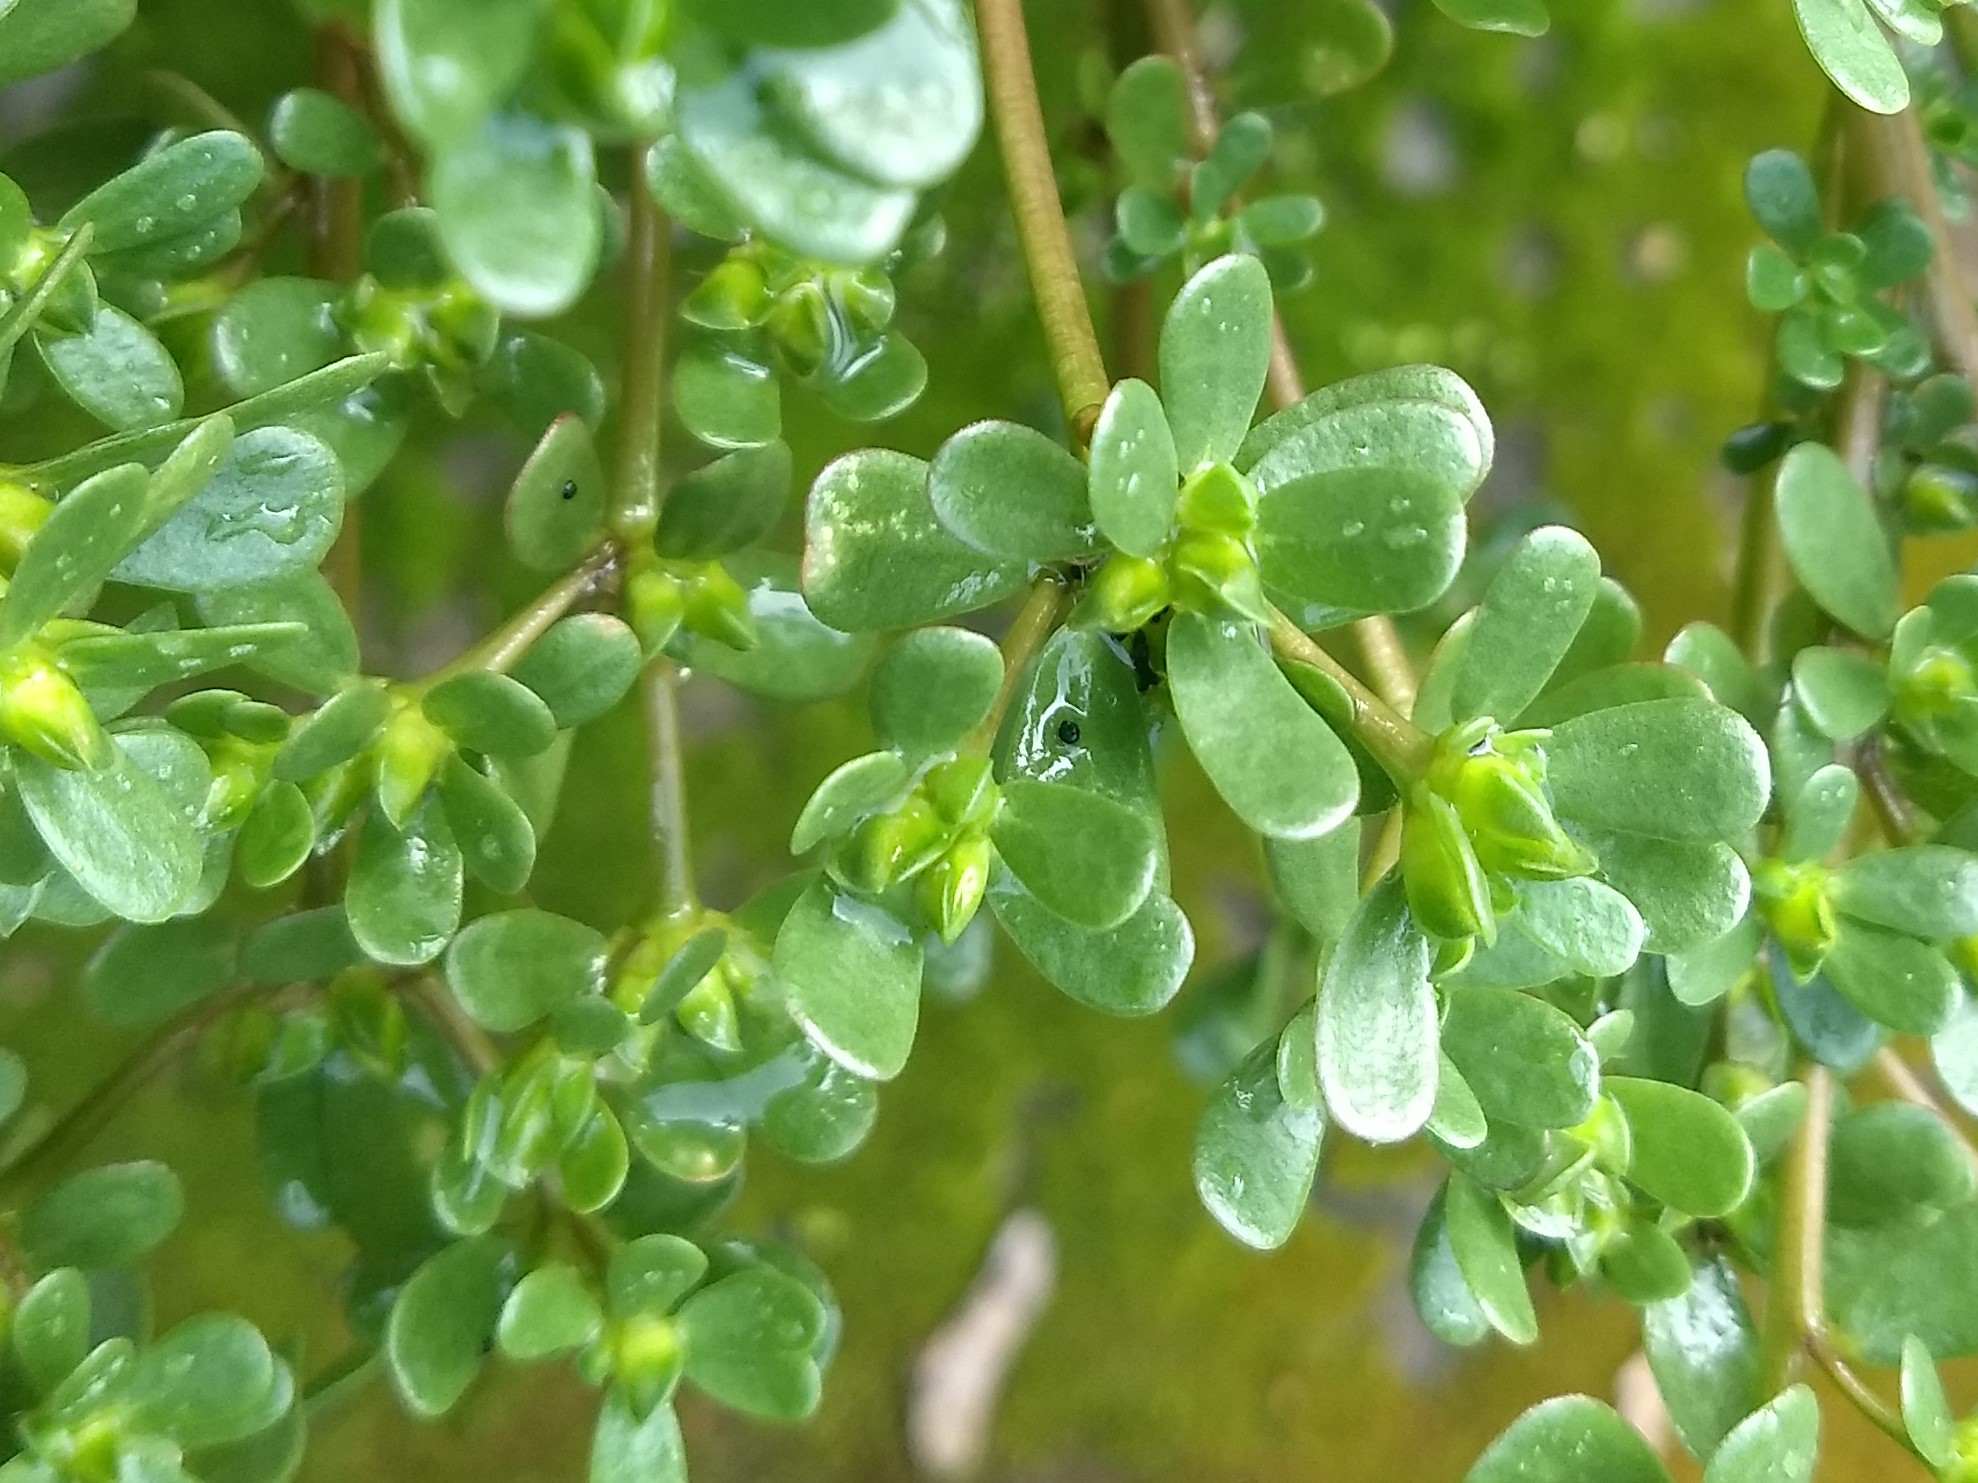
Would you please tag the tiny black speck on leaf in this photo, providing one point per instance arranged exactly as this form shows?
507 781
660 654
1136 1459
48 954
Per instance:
569 488
1068 733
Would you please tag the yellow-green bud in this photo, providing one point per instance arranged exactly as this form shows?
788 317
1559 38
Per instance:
708 1013
1510 820
1964 1453
408 757
462 326
868 298
732 297
1215 573
1218 501
950 891
1446 888
717 608
1935 497
805 329
239 772
1125 593
1793 901
888 848
22 513
42 711
963 791
1606 1132
1932 686
655 605
646 1359
378 320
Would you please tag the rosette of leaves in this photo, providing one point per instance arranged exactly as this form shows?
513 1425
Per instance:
1827 287
766 314
1929 690
816 128
1861 56
751 1329
1175 207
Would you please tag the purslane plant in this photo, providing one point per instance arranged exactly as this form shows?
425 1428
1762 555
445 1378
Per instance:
1639 946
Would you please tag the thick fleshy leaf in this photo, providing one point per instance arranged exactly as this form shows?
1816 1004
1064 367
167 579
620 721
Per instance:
1688 892
1135 968
1590 927
1928 891
550 1311
582 667
1819 818
1431 385
171 192
320 134
39 36
1530 615
796 656
1852 50
555 510
144 974
1902 1280
1215 349
725 400
511 969
496 836
1375 538
1571 1439
854 789
1518 17
105 1217
1318 880
875 556
447 64
1843 693
1670 769
1525 1061
732 503
1377 1022
1895 980
116 371
1146 120
1704 974
491 713
1089 859
1784 199
1447 1307
1486 1251
1269 755
405 887
50 1332
1689 1152
207 1382
1133 470
1778 1443
749 1340
518 211
443 1324
852 977
1703 1351
320 663
1833 540
116 831
1256 1154
1954 1053
82 540
932 688
1891 1161
273 507
630 1448
144 661
1926 1411
1007 489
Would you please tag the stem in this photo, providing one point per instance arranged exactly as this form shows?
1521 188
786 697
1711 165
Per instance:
636 490
1397 743
672 840
1794 1301
1076 362
1034 623
75 1129
1761 565
1174 29
336 253
1901 160
500 649
1859 1393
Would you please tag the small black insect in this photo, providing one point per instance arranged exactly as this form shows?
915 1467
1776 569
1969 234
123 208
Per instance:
569 488
1068 733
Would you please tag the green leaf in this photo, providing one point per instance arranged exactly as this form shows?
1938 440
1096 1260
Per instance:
1688 893
1084 856
320 663
274 330
1133 470
144 974
497 839
1447 1307
1895 980
630 1448
852 977
932 688
490 713
1703 975
1689 1152
854 789
648 1275
1852 50
277 837
749 1343
796 657
725 400
1669 769
116 831
1954 1053
1277 765
447 64
442 1324
404 896
1525 1061
1215 349
1398 392
1486 1251
1530 615
206 1382
1778 1443
82 540
274 506
1317 881
511 969
339 729
1147 122
171 192
1377 1022
824 1117
1784 199
1926 1411
1241 147
1010 491
733 502
1819 818
116 371
1645 1264
551 1310
518 211
899 106
144 661
1134 969
797 200
555 511
318 133
1590 927
1703 1351
1834 541
1256 1154
780 23
106 1217
1891 1161
1925 890
582 667
1385 538
50 1333
875 556
1518 17
1905 1280
536 379
1570 1439
39 36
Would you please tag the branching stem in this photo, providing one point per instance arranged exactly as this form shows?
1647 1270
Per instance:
1397 743
500 649
1043 608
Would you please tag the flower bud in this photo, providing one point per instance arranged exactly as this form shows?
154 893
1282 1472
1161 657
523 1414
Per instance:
1509 819
647 1356
42 711
1446 888
462 327
1218 501
1215 573
868 299
707 1013
963 791
22 513
717 608
805 329
732 297
1124 594
888 848
655 605
378 319
408 757
950 891
1936 497
1793 901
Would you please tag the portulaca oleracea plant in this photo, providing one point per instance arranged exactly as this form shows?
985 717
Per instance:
1651 952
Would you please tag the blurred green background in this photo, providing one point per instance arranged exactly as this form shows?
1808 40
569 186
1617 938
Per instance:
1558 220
